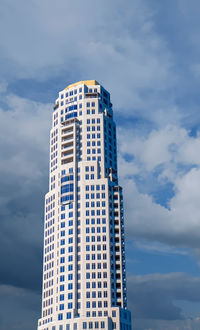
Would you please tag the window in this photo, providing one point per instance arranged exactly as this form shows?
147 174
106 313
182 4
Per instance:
62 307
62 287
62 278
69 315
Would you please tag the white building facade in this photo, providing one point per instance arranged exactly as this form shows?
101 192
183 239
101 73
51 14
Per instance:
84 275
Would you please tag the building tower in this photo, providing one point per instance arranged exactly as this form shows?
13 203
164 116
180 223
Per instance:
84 276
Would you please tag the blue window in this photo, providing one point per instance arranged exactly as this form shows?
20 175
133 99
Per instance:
60 316
62 233
62 287
62 260
70 258
70 277
62 251
62 242
70 240
87 248
70 295
67 188
62 307
70 267
70 305
87 304
62 216
70 231
62 297
70 249
62 278
70 223
87 285
70 214
62 224
62 269
70 286
69 315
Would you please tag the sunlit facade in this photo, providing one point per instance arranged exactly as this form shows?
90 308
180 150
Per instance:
84 275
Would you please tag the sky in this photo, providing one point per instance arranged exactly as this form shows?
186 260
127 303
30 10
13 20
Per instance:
146 53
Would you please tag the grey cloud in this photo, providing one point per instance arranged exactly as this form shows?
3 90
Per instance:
24 181
152 299
19 308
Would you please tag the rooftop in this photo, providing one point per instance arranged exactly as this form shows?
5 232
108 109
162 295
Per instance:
85 82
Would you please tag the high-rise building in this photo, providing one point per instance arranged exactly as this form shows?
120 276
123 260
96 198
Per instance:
84 275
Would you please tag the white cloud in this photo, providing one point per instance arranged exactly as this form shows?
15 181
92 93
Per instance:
114 43
24 136
174 152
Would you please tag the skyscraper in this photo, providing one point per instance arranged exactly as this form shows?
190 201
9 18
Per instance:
84 276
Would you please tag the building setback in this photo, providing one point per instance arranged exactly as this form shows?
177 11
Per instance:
84 275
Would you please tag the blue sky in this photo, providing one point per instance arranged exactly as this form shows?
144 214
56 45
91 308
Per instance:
146 53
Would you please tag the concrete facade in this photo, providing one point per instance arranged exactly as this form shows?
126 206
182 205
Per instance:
84 274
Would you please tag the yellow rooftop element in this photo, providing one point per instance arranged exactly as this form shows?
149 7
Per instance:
85 82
